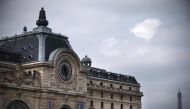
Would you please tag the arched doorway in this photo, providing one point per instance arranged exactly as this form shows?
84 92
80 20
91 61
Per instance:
65 107
17 104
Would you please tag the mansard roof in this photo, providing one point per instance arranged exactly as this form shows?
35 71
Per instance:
103 74
10 55
28 44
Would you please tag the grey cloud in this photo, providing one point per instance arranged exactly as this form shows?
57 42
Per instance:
174 35
89 23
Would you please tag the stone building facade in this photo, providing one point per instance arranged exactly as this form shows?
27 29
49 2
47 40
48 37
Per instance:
40 70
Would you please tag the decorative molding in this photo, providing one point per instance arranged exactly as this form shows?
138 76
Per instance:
19 76
37 64
112 81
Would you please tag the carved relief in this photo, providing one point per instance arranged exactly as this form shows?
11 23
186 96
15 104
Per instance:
81 80
19 76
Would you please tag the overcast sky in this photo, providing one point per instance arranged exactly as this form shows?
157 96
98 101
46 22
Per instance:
148 39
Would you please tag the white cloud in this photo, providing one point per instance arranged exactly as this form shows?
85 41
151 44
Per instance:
109 47
146 29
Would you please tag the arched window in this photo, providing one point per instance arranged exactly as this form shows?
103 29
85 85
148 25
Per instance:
121 97
131 107
112 106
65 107
91 93
130 97
111 95
91 103
17 104
121 106
130 88
102 105
102 94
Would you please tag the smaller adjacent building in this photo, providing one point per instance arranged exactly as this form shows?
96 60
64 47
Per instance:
40 70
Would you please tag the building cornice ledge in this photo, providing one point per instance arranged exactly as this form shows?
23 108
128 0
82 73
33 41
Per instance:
8 64
106 80
36 64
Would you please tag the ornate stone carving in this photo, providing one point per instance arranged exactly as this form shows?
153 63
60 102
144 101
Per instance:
81 80
19 76
64 55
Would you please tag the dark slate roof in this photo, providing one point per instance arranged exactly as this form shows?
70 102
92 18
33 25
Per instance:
9 55
86 59
103 74
53 43
28 44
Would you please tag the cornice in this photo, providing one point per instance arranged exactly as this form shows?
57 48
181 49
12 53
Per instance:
112 81
42 90
37 64
31 33
9 65
112 100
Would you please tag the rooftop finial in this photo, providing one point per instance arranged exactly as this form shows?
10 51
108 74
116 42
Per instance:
25 29
42 18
